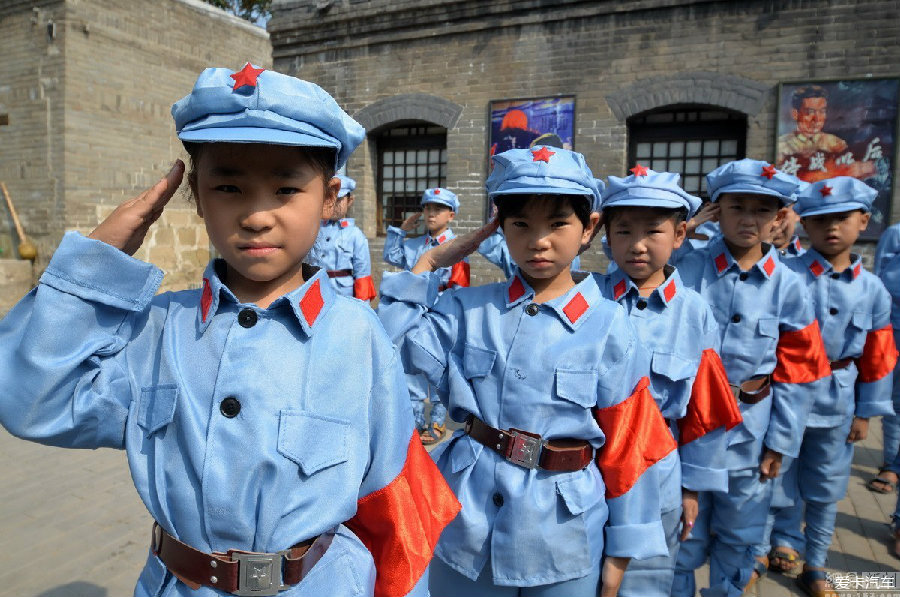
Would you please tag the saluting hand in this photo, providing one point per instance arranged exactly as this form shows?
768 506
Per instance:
708 213
409 224
126 227
455 250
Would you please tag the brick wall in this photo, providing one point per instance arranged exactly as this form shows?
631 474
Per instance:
618 58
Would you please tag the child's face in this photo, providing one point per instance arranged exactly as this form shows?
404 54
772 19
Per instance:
342 206
437 217
835 233
262 205
545 238
642 241
746 219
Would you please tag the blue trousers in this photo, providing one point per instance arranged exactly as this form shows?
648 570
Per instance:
890 424
652 577
819 478
444 581
419 392
727 530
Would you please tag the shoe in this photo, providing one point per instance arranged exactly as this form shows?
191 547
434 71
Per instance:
783 559
760 567
881 484
811 575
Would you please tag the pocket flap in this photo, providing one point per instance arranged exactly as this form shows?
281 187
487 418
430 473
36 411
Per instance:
157 407
579 387
673 366
579 492
861 320
768 326
313 442
464 453
477 362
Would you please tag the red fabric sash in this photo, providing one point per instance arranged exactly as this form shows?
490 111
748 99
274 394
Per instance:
459 275
400 523
364 288
879 355
712 402
636 439
801 356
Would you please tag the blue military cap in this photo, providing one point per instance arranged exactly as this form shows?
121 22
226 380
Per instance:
543 170
348 185
256 105
646 188
441 197
754 177
835 195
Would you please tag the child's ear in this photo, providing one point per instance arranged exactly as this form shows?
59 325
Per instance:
452 215
680 234
592 228
803 223
331 191
864 218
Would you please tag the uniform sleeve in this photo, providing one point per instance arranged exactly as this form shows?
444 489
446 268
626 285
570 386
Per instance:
393 247
494 249
64 383
801 361
876 364
888 248
636 440
404 502
363 287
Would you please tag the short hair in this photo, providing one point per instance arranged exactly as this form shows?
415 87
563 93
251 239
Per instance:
510 206
677 214
802 93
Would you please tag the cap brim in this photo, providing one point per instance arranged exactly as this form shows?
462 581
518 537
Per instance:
752 190
255 135
834 208
647 202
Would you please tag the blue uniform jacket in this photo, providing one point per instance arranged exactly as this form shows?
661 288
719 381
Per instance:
854 310
94 358
554 369
766 326
677 327
887 267
341 245
402 252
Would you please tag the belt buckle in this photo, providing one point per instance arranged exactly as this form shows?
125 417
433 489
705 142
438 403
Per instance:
259 574
524 450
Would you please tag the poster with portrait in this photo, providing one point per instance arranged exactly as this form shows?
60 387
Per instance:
841 128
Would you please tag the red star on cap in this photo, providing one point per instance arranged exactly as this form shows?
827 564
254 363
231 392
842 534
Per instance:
825 190
768 171
639 170
246 76
542 155
437 191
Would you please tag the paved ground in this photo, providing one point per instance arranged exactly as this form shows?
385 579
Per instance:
71 524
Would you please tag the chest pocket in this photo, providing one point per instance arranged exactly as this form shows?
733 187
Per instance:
313 442
672 366
156 407
768 327
577 386
477 362
860 325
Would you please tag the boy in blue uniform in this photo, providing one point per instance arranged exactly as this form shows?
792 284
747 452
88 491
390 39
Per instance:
771 348
645 215
342 250
854 312
439 206
264 472
544 371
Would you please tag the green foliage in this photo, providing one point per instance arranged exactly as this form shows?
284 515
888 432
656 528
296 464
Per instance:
251 10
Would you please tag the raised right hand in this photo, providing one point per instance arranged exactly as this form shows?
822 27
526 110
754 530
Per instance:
126 227
409 224
455 250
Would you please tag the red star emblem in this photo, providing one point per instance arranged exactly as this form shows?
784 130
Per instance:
639 170
437 191
246 76
542 155
768 171
825 190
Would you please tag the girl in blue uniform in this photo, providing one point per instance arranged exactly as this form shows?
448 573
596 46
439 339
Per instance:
555 467
264 472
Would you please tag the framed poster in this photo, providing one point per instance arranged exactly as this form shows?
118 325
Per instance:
846 127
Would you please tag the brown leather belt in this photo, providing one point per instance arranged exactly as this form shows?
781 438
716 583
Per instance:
841 364
528 450
753 390
340 273
239 572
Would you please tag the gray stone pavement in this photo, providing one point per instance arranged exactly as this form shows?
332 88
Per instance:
72 525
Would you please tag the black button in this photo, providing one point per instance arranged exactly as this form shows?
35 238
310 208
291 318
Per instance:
498 500
835 276
736 318
247 318
230 407
833 311
641 305
532 309
743 276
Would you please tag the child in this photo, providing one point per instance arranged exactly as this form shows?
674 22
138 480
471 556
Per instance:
771 348
439 206
342 249
246 448
543 371
854 311
645 215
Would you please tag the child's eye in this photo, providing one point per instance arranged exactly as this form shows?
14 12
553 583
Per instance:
560 223
287 191
227 188
519 224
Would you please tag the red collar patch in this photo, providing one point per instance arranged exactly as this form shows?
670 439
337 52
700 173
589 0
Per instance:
575 308
669 291
618 289
344 223
856 270
721 262
441 239
205 299
516 290
246 76
797 244
769 266
311 304
816 268
542 155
